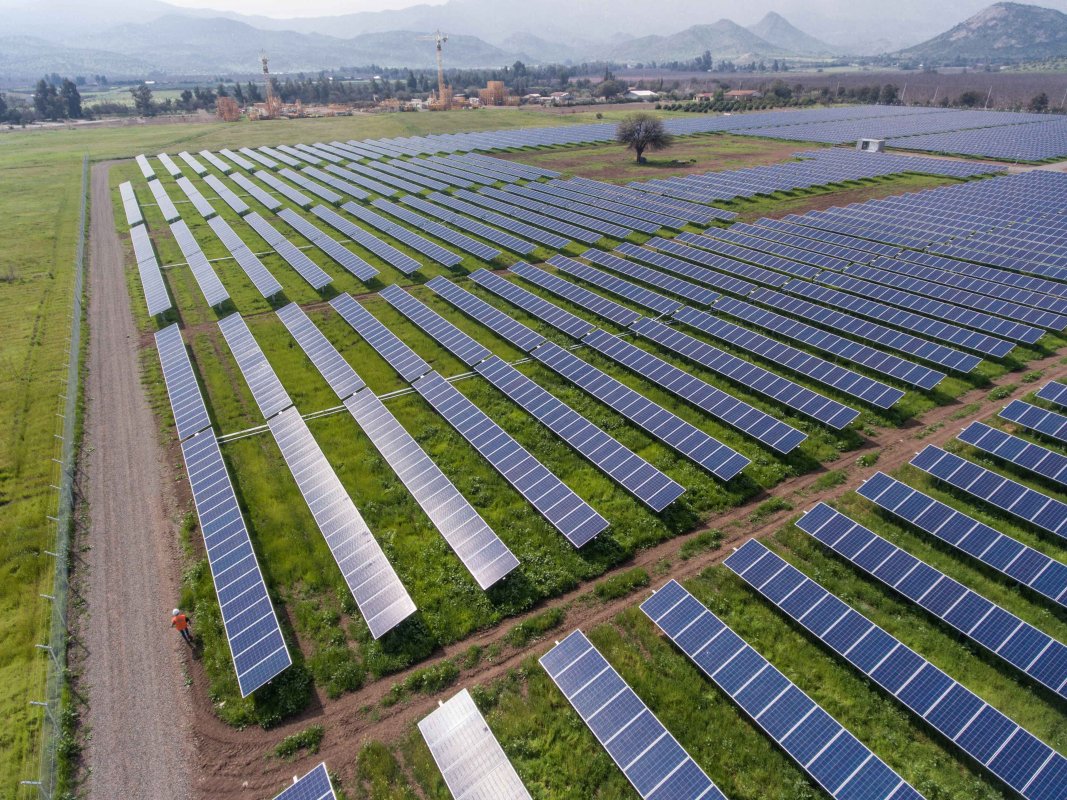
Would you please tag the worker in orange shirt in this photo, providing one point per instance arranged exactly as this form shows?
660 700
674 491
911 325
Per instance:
181 622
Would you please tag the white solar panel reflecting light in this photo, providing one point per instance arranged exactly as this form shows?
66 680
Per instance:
315 785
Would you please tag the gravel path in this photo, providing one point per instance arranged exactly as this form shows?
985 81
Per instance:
139 722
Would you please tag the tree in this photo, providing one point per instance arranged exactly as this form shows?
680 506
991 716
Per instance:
889 95
70 100
612 88
46 100
142 100
971 99
641 132
3 107
1039 102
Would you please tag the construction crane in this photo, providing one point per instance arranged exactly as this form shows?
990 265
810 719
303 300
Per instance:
444 93
273 105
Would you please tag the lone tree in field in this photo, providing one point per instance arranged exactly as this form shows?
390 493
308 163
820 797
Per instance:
641 132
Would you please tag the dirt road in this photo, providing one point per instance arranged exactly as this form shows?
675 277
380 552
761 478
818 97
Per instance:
140 726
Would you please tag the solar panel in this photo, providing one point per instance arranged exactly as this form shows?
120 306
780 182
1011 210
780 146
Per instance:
1054 392
227 194
502 221
129 204
216 162
567 512
333 367
538 307
169 165
417 243
380 175
240 161
261 278
494 319
294 256
340 184
482 552
1003 634
386 252
1020 501
309 185
630 471
400 357
557 226
869 331
448 335
263 382
262 196
209 283
598 226
465 243
648 755
690 291
799 398
1037 419
547 197
382 599
1029 567
884 363
470 759
635 294
361 180
186 401
155 290
1015 756
259 158
193 162
146 167
726 283
514 243
591 301
330 246
315 785
726 265
257 646
280 155
1021 453
202 206
166 206
284 189
757 424
835 759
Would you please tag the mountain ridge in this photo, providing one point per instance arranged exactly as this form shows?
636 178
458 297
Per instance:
1003 31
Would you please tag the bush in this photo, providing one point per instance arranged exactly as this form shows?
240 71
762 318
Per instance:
337 670
308 739
829 480
868 459
1002 392
621 585
535 627
702 542
769 508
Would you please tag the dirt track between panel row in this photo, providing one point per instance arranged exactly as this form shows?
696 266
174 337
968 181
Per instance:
154 737
140 726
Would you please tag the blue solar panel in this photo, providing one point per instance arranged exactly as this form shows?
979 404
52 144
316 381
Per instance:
330 246
564 509
720 263
1015 756
337 372
361 180
417 243
591 301
386 252
444 332
648 755
294 257
400 357
757 424
309 185
252 631
1027 455
340 184
531 303
315 785
202 206
186 400
690 291
557 226
601 227
633 209
635 294
834 758
545 197
1054 392
1008 556
769 260
1037 419
463 242
155 289
494 319
214 292
261 278
264 198
1022 645
227 194
283 188
263 382
1020 501
502 221
495 236
726 283
380 175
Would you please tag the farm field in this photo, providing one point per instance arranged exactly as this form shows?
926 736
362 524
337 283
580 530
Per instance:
351 697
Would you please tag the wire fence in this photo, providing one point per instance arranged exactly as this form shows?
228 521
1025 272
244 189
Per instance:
56 648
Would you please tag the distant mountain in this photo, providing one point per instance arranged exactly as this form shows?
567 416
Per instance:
27 58
1002 32
541 51
780 32
725 39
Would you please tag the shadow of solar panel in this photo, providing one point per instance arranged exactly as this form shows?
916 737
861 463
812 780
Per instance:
1045 422
835 759
252 631
1012 754
470 759
1020 501
263 382
400 357
186 400
557 503
315 785
648 755
1023 646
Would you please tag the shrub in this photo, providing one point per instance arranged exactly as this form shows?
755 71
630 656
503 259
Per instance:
535 627
308 739
769 508
621 585
702 542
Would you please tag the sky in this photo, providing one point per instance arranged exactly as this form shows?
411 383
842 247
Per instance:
305 8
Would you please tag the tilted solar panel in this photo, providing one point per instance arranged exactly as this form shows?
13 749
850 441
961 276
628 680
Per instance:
327 244
494 235
315 785
214 292
648 755
333 367
490 316
294 257
166 205
309 185
400 357
463 242
1007 495
835 759
257 646
240 161
1054 392
389 254
417 243
193 162
591 301
466 349
1023 762
257 192
261 278
155 290
283 188
266 388
1029 650
690 291
1027 455
727 283
216 162
537 306
186 400
129 204
227 194
145 167
617 286
1037 419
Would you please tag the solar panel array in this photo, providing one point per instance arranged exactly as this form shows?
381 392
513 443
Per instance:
218 163
835 759
1020 501
129 204
494 235
261 278
239 160
257 192
1045 422
333 367
311 186
400 357
1027 455
649 756
386 252
470 758
294 256
1054 392
315 785
166 205
503 221
330 246
340 184
1023 762
155 290
214 292
1008 556
145 167
533 218
1003 634
186 400
465 243
417 243
284 189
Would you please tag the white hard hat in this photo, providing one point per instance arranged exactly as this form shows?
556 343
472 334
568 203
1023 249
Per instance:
176 612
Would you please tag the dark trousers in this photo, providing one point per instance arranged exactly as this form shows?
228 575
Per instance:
186 635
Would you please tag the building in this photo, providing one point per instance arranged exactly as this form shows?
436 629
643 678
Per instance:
644 95
494 94
560 98
743 94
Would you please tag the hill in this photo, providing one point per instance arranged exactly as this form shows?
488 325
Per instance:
725 39
1002 32
780 32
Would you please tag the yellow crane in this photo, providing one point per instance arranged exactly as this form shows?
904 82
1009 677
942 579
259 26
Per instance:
273 103
444 93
